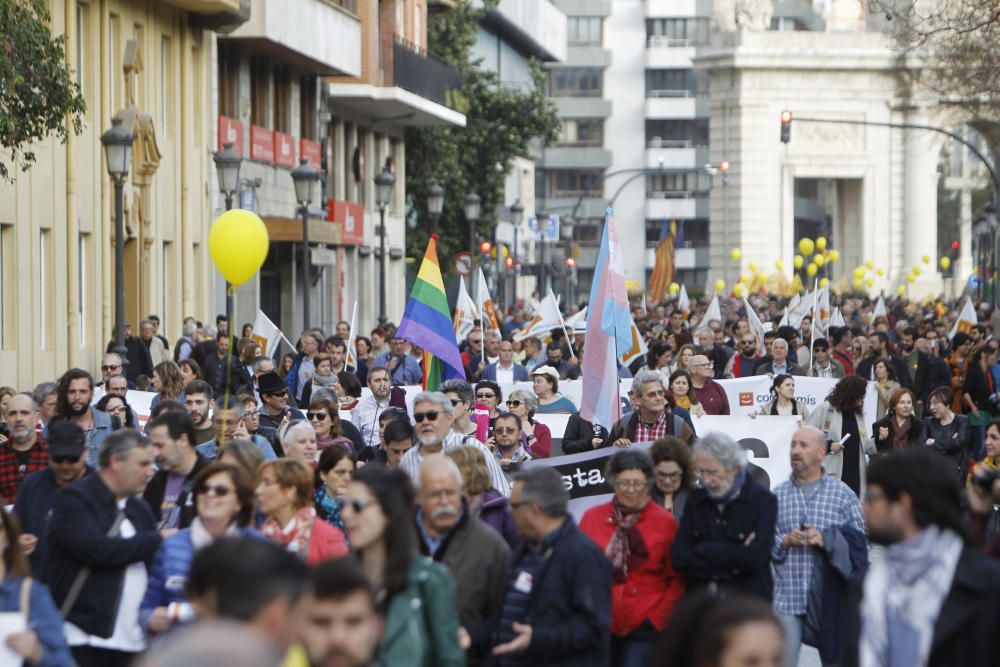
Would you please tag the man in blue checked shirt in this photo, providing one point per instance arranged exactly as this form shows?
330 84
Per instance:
820 546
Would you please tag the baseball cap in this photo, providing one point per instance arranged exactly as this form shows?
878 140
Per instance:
66 440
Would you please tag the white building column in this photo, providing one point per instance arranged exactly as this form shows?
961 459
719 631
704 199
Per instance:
920 208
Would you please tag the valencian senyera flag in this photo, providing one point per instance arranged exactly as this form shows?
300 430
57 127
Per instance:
663 270
427 323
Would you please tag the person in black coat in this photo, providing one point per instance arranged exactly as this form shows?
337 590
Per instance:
879 342
582 436
100 528
727 531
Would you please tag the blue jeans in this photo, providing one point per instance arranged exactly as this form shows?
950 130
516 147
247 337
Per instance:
793 626
635 649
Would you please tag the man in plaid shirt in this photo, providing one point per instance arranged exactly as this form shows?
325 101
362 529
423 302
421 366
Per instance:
817 516
25 451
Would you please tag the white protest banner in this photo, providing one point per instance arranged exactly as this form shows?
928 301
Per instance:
139 401
767 441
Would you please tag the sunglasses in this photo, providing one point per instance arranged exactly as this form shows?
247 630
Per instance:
820 349
317 416
455 402
505 429
749 342
277 394
65 459
486 395
429 416
110 367
219 490
117 408
356 504
513 404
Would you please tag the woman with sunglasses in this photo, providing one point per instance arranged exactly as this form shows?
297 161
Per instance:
333 473
284 493
223 500
416 594
325 420
116 406
537 438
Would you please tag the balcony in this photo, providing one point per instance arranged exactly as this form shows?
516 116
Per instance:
320 36
669 53
206 6
676 204
675 154
662 9
414 88
668 104
576 157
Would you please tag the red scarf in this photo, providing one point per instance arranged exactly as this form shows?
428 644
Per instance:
295 538
627 550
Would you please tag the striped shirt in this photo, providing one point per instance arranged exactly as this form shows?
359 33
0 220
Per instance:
410 463
831 504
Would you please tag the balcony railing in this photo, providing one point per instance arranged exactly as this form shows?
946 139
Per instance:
662 41
657 142
411 68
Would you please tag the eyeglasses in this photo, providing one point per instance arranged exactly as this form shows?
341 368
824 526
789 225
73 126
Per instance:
251 413
505 429
110 367
820 349
429 416
358 505
117 408
654 394
630 484
749 342
65 459
455 402
475 342
277 394
317 416
486 395
219 490
666 476
513 404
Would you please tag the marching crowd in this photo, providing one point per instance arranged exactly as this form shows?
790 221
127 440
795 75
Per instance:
270 512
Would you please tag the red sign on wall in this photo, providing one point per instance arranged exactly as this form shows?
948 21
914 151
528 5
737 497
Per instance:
351 218
284 149
311 151
231 132
261 144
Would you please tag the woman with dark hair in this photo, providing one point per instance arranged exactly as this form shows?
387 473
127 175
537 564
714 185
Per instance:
348 390
416 594
333 474
488 393
947 432
246 331
117 407
660 356
224 502
287 361
190 371
636 534
679 389
783 401
958 361
325 419
978 391
42 643
363 348
323 378
885 384
899 428
712 631
841 419
545 382
674 474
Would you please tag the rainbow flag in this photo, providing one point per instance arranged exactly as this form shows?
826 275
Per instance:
427 323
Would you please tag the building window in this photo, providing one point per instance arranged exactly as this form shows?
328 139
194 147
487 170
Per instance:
588 230
669 186
584 30
690 233
307 107
677 31
675 83
677 133
574 182
7 292
229 78
260 81
575 82
282 99
581 132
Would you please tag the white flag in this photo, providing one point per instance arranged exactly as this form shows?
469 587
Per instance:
784 319
823 307
880 309
837 318
683 302
547 317
966 319
801 309
266 334
638 348
577 323
755 326
713 313
487 313
465 313
352 353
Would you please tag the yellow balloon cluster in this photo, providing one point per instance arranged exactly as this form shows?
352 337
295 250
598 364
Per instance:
806 246
238 243
821 243
811 269
859 272
833 255
824 282
798 261
779 265
901 290
819 260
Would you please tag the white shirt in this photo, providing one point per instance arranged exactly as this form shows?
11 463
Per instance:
410 463
128 635
365 417
505 376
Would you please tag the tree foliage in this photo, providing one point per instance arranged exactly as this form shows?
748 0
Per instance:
501 122
37 93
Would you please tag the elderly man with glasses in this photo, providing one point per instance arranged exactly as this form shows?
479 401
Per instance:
652 419
710 393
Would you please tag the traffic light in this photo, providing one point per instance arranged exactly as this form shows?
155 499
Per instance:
786 126
509 262
954 245
570 263
724 168
485 247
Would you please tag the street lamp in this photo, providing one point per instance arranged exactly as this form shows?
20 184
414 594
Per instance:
117 144
227 167
304 177
472 210
384 182
516 216
566 233
435 203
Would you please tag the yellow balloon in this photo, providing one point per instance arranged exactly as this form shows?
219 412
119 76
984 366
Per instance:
821 243
945 263
674 288
927 259
870 282
901 290
798 261
911 278
859 272
880 272
811 269
779 265
858 281
738 290
720 285
806 246
916 271
833 256
823 282
238 243
819 260
743 278
736 254
869 264
753 267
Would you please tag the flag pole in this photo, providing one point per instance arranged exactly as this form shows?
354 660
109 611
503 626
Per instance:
812 327
562 323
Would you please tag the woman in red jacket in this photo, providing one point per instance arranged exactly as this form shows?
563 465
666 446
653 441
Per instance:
636 534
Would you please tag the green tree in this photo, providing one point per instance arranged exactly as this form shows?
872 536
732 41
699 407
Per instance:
37 93
501 122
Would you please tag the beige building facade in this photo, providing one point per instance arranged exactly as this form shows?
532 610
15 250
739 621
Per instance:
144 60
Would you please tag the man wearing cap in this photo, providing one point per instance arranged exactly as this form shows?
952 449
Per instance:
274 401
66 463
24 452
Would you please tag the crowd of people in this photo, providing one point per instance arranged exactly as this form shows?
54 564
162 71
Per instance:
268 511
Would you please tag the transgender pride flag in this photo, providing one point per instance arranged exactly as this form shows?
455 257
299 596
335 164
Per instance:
609 333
